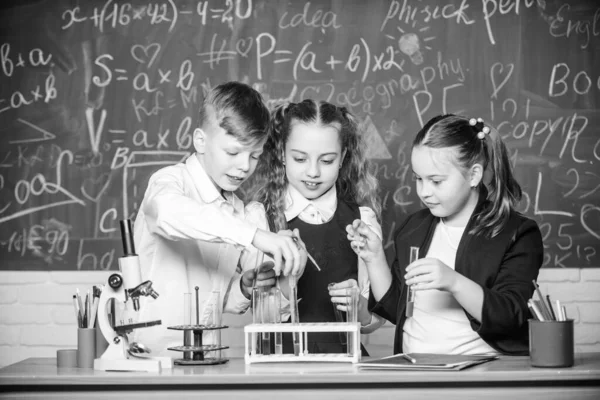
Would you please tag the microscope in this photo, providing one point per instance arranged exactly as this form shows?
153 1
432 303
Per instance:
125 286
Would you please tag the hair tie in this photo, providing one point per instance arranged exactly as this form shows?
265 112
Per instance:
481 129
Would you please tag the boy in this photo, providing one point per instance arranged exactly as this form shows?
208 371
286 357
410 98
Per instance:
191 227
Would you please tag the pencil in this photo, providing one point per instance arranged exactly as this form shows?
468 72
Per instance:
552 313
80 304
559 316
537 311
531 310
76 306
96 296
564 312
409 358
543 306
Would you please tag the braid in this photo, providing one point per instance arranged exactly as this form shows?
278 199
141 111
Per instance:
270 189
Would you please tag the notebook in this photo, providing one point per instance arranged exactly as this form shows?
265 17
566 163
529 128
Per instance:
427 362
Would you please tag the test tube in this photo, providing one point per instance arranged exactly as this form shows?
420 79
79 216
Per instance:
265 318
187 320
256 319
339 318
187 309
216 319
294 312
275 298
351 317
410 301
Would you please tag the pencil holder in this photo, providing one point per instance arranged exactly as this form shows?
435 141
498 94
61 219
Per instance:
551 343
86 347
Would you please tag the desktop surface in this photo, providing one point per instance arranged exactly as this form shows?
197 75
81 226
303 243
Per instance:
507 377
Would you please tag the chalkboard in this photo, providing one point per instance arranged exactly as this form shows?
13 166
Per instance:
97 95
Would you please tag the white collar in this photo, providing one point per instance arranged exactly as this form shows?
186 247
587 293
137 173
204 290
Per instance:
205 186
295 203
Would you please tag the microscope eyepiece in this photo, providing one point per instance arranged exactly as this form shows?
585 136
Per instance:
127 237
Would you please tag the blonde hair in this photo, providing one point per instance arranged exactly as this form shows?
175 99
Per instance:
238 109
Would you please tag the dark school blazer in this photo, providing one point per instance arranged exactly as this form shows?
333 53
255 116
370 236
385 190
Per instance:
504 266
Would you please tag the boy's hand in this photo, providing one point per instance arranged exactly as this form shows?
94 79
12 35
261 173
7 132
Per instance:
295 235
264 278
286 254
365 243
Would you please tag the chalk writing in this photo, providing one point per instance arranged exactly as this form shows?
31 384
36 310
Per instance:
103 93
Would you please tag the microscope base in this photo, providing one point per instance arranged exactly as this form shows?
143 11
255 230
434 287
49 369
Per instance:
134 364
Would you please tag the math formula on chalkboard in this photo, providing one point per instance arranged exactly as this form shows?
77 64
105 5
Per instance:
95 96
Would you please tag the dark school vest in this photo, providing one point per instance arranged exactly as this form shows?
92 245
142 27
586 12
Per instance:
329 245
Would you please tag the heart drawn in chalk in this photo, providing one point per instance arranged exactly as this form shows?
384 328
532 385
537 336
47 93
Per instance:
584 211
94 188
499 68
244 45
145 54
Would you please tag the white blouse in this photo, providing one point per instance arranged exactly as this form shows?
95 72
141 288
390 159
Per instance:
439 323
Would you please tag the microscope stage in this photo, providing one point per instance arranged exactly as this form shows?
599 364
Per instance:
130 327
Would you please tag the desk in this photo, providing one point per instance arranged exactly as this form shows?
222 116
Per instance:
507 378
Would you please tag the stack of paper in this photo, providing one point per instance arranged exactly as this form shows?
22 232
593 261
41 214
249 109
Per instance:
426 361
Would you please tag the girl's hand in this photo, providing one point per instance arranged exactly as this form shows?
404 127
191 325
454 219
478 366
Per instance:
365 243
431 273
341 298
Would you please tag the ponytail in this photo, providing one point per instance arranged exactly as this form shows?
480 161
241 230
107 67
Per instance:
501 190
357 182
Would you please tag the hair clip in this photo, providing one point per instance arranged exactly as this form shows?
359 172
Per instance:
481 128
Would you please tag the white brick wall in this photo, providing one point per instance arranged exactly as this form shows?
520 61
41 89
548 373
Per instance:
37 317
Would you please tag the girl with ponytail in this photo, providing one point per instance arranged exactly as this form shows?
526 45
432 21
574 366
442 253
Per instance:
478 254
313 176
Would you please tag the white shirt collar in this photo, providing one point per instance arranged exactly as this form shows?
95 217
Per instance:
296 203
206 188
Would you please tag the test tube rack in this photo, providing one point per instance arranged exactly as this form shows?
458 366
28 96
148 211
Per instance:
193 349
353 355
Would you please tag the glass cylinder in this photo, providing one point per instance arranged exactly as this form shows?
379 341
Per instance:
187 309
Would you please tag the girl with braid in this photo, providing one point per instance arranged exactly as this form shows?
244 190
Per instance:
313 176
